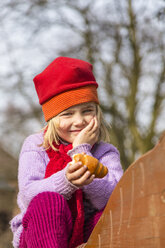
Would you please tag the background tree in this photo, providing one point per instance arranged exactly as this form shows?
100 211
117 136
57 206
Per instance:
125 42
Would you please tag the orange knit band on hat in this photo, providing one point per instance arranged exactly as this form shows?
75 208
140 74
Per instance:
67 99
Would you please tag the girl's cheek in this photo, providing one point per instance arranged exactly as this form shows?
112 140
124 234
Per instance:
89 118
63 125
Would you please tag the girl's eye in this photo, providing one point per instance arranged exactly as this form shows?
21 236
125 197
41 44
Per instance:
88 110
66 114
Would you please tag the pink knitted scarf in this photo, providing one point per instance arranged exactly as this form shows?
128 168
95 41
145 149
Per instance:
58 160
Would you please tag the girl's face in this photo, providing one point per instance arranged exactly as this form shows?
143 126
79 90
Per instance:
74 119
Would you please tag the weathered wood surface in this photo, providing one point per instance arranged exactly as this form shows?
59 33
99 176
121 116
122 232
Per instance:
135 214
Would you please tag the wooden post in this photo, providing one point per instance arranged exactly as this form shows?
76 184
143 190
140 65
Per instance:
135 214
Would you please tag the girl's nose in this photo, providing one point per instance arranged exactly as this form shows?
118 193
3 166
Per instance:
79 120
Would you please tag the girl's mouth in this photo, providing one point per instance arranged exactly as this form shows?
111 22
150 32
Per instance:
74 131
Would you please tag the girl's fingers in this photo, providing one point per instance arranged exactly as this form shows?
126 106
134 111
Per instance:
73 167
89 180
95 130
96 126
89 127
86 179
77 174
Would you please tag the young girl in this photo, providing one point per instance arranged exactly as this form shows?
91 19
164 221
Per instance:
60 201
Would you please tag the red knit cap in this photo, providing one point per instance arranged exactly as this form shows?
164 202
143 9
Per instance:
64 83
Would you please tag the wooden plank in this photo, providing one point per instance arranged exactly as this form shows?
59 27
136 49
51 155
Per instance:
135 214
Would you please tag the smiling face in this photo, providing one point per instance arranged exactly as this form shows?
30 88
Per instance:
74 119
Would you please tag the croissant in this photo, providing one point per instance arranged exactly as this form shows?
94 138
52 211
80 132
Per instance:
93 164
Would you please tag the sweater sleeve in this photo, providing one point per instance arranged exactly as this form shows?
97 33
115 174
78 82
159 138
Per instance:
86 148
99 191
32 166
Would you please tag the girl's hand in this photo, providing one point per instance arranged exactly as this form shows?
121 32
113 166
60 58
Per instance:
78 174
89 134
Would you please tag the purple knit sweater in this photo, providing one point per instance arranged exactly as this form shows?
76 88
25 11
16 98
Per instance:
32 165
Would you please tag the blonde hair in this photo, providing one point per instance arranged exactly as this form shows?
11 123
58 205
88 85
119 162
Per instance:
51 136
